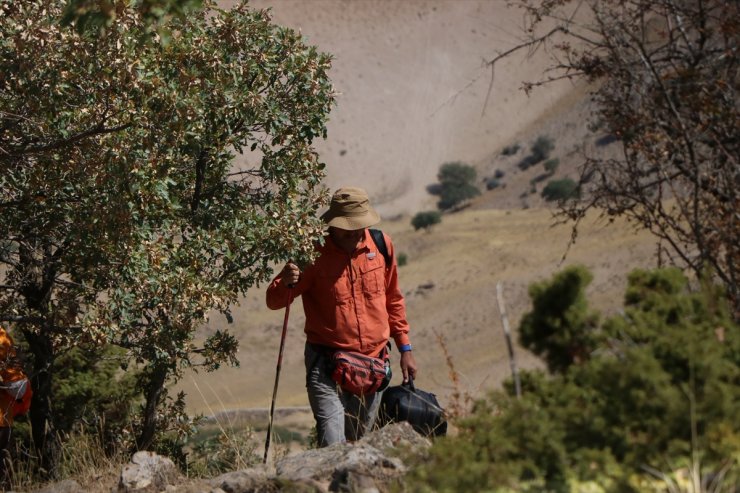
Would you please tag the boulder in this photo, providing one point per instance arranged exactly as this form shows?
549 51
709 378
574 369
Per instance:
252 480
364 466
148 473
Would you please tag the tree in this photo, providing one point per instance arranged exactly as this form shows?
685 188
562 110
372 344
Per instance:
658 390
123 219
456 184
560 328
541 148
665 78
426 220
561 190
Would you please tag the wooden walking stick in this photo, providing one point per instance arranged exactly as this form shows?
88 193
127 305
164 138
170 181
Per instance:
277 372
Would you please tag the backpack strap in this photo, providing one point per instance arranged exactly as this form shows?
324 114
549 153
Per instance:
379 241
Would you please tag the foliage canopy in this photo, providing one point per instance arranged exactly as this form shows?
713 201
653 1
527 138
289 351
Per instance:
657 388
456 184
425 220
124 218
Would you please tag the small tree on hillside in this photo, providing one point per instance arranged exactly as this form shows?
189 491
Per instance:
426 220
561 190
541 148
456 184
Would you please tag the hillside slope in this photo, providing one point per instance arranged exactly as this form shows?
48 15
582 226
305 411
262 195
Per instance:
450 288
412 85
412 89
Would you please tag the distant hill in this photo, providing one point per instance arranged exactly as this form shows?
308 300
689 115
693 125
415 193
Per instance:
412 86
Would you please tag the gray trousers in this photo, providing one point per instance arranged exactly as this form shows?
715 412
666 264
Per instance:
340 416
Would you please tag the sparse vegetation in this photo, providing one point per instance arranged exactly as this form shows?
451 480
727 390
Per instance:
456 184
562 189
666 81
225 451
510 150
540 151
541 148
551 165
492 183
402 259
426 219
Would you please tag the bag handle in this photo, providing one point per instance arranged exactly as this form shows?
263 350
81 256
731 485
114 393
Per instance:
410 384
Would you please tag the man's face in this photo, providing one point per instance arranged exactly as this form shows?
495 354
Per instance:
345 239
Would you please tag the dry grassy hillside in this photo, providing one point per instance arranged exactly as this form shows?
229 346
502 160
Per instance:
400 69
411 86
449 283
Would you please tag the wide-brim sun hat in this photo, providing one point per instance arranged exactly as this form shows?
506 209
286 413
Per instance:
350 209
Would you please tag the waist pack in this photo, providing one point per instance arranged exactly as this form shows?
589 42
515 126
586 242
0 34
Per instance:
360 374
419 408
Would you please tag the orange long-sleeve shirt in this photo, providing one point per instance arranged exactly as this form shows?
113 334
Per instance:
351 302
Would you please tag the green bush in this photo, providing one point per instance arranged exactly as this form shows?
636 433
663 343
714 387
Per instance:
426 220
510 150
551 165
624 401
456 184
560 190
92 395
541 148
492 184
560 328
402 259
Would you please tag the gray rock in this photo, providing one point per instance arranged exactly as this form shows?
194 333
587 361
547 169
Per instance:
396 436
252 480
148 473
363 466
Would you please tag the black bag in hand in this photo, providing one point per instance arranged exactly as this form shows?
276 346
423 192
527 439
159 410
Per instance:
421 409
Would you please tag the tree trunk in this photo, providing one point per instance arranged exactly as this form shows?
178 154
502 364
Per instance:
45 439
154 390
38 273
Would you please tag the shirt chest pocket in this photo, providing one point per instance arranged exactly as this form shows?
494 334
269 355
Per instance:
373 279
335 281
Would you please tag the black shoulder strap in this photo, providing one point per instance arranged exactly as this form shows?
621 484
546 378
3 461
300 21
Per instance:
379 240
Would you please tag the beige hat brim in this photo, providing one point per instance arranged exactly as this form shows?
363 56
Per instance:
351 223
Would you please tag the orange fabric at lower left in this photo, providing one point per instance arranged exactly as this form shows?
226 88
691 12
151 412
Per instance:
15 389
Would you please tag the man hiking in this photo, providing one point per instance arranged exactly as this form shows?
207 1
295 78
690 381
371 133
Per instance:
353 307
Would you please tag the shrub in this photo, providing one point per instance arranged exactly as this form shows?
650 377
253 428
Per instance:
541 148
499 174
492 183
560 190
456 181
426 220
560 328
402 259
92 395
551 165
510 150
